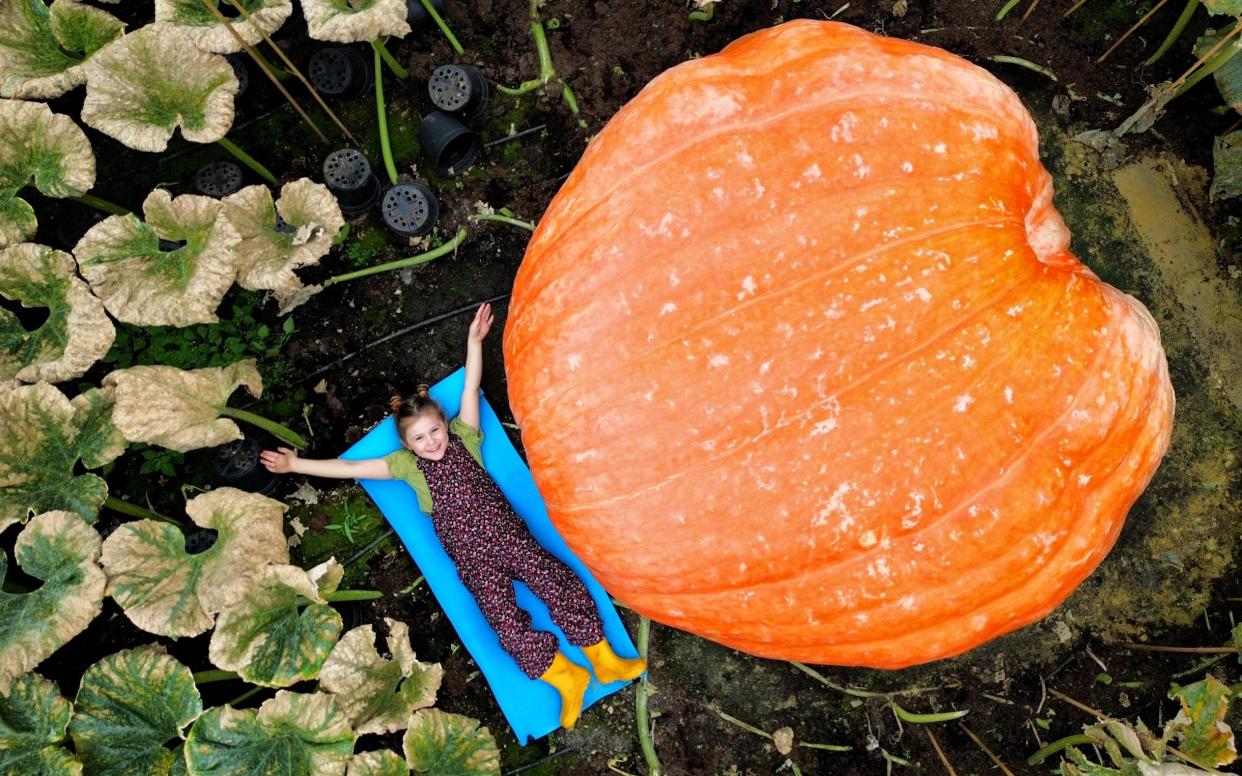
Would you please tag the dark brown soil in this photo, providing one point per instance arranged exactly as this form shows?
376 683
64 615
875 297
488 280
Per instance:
608 51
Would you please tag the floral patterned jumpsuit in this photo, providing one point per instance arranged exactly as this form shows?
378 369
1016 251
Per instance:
492 546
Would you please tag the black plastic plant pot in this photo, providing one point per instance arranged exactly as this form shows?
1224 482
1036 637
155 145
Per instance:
340 72
218 179
242 71
448 143
352 614
348 175
238 466
410 209
417 15
200 540
459 89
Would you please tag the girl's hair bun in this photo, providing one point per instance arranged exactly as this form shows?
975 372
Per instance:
421 390
395 402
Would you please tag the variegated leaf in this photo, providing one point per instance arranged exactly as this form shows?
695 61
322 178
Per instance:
201 25
298 734
33 717
438 744
43 49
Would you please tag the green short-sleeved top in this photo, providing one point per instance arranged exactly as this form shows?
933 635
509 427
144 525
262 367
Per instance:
403 463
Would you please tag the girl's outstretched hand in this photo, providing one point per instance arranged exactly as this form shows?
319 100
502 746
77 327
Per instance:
482 323
281 461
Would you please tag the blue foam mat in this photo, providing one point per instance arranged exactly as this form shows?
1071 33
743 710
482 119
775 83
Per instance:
532 707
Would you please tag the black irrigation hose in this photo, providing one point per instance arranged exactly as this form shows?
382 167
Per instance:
537 763
399 332
514 136
369 547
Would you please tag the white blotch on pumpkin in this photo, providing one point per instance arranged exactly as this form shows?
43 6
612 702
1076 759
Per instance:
843 130
812 173
867 540
673 278
1008 395
861 170
765 367
718 359
962 402
668 307
1083 479
1014 311
939 148
907 167
574 361
834 505
718 192
745 159
907 602
967 362
878 568
867 305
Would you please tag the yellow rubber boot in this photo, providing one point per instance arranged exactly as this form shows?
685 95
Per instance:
570 680
609 667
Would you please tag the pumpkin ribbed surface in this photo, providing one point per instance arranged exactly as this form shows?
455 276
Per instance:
803 364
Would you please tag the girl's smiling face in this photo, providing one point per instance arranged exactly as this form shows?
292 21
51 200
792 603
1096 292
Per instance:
427 436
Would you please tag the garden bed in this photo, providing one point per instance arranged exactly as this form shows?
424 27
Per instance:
1169 580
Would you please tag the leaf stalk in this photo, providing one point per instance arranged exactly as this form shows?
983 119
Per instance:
284 434
641 695
412 261
248 160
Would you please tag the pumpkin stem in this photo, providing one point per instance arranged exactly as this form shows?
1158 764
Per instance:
640 704
547 71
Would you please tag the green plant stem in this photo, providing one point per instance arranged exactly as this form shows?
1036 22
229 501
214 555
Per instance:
275 429
811 672
101 204
412 261
352 595
247 695
640 704
133 510
1214 63
1020 62
214 675
280 73
389 60
1175 32
1006 8
382 116
444 28
248 160
502 219
1056 746
927 719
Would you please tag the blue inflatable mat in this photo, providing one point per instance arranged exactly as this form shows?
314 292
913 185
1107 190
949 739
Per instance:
532 707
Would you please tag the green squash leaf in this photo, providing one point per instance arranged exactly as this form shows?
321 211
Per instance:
1223 7
381 763
63 551
128 705
1200 725
313 217
33 718
98 441
40 442
267 640
1228 76
344 21
379 695
441 744
202 26
43 50
153 80
291 735
180 410
178 282
77 332
43 148
165 590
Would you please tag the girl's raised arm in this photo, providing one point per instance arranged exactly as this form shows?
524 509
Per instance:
283 461
479 328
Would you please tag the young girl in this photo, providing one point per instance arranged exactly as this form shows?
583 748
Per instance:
487 541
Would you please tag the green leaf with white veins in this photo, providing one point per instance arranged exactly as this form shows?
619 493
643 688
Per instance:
379 695
128 705
292 734
198 22
167 591
282 632
77 331
43 148
33 717
63 551
42 435
43 48
441 744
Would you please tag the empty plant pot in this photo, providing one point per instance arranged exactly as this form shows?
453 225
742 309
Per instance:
417 15
410 209
238 466
242 71
340 72
348 175
459 89
448 143
218 179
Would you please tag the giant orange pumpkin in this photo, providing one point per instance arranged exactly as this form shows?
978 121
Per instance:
803 364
